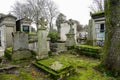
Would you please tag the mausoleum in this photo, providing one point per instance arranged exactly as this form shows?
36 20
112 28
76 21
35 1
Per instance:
7 27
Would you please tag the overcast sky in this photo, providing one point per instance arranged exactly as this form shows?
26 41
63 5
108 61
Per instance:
75 9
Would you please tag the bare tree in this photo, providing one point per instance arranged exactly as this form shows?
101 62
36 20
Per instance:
35 9
98 5
52 12
18 10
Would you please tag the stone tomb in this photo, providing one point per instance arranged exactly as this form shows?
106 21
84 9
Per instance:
20 46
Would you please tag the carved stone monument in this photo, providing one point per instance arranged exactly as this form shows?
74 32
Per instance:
42 40
60 19
70 36
20 46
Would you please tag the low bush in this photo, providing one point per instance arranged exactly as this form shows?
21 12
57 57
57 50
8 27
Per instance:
87 50
53 36
32 40
8 53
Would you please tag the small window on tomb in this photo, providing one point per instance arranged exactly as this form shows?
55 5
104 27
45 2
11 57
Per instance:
26 28
101 27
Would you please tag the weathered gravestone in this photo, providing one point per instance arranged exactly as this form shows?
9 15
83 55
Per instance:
70 36
59 21
112 37
20 46
42 40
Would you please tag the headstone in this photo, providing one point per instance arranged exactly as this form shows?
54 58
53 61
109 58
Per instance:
70 36
42 40
20 46
90 35
60 19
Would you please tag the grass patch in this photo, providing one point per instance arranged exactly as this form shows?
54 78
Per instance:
84 69
8 77
65 69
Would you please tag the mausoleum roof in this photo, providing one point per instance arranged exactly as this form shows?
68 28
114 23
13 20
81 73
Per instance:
97 15
25 19
3 16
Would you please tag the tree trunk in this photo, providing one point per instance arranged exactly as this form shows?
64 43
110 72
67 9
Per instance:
111 58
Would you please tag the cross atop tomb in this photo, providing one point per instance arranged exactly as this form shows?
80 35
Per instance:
71 23
42 22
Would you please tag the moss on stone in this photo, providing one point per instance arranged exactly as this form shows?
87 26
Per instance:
98 13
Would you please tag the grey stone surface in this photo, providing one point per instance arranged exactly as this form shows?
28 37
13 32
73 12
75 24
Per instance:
61 47
1 51
20 46
21 54
20 41
33 46
42 41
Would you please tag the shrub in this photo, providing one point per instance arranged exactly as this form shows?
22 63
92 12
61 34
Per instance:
34 53
87 50
53 36
32 40
8 53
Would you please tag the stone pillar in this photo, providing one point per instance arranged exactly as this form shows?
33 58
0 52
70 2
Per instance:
42 41
70 36
90 32
112 37
20 46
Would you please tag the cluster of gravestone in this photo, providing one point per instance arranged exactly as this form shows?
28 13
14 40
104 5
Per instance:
21 48
59 45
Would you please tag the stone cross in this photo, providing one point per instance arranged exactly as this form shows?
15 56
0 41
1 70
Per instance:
41 23
71 23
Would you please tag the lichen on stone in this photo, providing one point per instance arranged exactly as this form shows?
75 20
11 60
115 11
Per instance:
56 66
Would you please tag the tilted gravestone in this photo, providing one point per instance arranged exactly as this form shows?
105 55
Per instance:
42 41
20 46
70 36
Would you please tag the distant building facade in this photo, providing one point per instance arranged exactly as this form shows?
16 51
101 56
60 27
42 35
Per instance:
98 28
